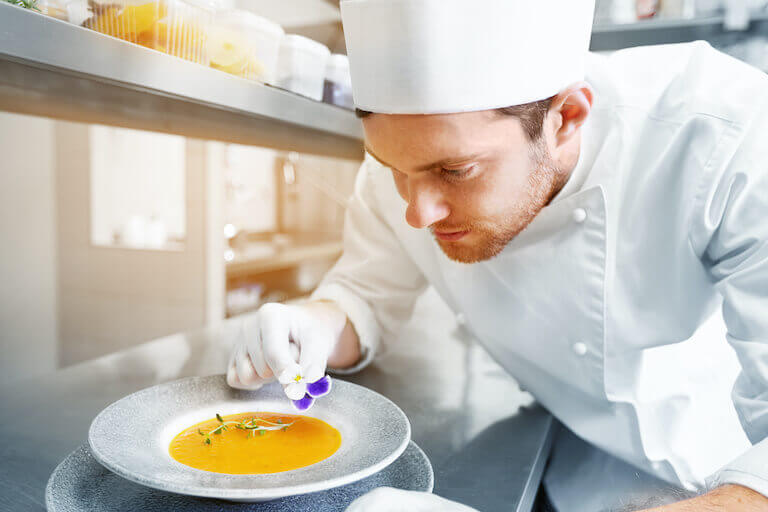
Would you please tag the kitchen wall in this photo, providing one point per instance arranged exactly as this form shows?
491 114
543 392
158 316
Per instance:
64 298
28 248
72 289
137 187
112 298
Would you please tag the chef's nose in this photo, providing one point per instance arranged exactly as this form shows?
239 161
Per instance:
425 205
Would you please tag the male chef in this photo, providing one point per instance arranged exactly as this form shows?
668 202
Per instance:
585 214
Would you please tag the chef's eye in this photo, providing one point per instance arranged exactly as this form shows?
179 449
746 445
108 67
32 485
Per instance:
455 174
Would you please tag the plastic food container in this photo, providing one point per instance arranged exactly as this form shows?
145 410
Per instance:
337 89
301 66
177 27
244 44
53 8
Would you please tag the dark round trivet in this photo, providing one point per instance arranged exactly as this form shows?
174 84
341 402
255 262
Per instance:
80 484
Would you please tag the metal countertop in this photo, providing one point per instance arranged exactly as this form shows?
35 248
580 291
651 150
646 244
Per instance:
487 440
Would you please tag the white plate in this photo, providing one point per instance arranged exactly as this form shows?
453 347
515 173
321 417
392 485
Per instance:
131 437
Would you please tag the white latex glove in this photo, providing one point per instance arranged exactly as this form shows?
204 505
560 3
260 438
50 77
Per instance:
289 342
388 499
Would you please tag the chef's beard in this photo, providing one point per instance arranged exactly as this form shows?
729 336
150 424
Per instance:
491 236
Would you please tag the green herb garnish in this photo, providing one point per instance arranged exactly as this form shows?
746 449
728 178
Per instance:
253 425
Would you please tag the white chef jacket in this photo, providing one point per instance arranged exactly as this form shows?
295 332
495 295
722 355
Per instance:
595 306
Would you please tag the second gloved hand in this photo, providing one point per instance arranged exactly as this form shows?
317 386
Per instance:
388 499
290 343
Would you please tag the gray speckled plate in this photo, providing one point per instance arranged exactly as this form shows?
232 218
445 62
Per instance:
80 484
131 437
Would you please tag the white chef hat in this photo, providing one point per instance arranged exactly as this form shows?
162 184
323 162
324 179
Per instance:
444 56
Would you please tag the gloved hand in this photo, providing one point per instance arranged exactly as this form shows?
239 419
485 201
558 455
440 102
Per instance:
289 342
388 499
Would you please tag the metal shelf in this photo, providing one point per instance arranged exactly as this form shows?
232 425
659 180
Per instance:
282 259
665 31
54 69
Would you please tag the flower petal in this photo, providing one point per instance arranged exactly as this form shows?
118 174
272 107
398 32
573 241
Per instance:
295 390
320 387
303 404
288 375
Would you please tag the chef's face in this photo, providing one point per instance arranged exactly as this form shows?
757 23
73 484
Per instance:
474 179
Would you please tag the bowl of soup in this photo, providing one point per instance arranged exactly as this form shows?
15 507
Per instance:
199 437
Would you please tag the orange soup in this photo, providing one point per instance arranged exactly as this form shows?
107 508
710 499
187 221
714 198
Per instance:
255 443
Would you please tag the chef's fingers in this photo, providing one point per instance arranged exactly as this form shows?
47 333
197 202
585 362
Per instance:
313 357
260 364
232 379
255 349
275 341
246 373
294 349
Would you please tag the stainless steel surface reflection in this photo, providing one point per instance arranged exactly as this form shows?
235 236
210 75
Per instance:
487 440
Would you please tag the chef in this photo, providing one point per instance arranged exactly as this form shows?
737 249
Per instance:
585 215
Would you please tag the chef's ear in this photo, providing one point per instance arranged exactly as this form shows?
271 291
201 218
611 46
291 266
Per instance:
568 111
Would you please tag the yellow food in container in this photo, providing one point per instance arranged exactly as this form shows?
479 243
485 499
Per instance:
176 27
244 44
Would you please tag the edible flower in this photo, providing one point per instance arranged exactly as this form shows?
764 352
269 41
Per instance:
300 389
320 387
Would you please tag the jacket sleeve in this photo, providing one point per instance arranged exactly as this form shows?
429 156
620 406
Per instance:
375 282
730 230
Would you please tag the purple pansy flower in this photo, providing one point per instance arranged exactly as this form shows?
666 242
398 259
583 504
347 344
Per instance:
301 392
320 387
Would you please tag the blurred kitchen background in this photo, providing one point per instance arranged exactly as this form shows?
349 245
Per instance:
144 194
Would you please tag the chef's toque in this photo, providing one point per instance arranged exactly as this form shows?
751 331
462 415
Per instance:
444 56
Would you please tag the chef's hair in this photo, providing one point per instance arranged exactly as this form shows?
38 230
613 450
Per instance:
531 115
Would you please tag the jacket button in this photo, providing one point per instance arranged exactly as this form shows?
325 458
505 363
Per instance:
579 215
461 319
579 348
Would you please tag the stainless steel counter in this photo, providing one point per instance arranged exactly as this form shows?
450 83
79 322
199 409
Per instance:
487 440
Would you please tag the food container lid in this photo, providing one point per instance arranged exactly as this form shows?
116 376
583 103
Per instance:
305 44
205 4
77 11
337 69
248 21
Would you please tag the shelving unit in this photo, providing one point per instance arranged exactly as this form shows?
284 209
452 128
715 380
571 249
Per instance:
283 259
663 31
54 69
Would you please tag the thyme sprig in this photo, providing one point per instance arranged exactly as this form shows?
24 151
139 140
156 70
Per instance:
252 425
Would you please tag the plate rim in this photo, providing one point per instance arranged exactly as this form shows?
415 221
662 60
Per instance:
245 493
